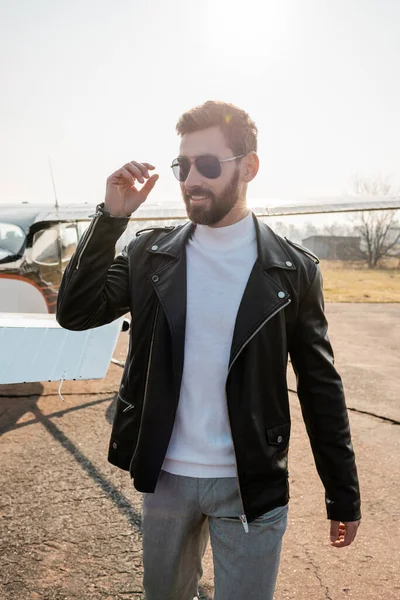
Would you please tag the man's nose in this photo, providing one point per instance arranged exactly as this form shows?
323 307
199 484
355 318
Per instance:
194 178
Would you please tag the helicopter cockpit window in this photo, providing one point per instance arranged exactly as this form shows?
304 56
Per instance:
12 239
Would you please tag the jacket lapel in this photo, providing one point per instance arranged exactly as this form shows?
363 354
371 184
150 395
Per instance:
169 282
263 296
262 299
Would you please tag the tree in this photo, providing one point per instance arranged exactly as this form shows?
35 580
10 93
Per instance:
379 230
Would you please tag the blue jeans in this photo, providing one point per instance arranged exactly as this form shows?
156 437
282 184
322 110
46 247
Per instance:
180 517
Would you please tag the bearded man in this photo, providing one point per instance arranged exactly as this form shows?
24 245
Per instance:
202 421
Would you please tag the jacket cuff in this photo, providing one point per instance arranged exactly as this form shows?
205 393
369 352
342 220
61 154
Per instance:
336 513
100 210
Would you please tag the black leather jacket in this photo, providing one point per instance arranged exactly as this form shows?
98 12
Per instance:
281 313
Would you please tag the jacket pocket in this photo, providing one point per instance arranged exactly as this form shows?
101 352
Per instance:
279 435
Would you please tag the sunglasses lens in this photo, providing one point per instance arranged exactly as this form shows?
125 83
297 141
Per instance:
181 168
208 166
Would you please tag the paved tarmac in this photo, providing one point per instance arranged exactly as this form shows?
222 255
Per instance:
70 522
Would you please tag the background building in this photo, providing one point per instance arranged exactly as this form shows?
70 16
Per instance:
333 247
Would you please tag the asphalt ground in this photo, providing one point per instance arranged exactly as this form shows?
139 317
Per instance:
70 522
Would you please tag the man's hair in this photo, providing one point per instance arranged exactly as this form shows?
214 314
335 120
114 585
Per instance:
239 129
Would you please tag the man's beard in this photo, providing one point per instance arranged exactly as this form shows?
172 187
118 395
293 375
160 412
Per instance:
218 206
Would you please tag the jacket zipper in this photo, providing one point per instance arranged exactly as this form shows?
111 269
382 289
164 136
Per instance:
129 405
147 372
256 331
75 262
243 517
89 236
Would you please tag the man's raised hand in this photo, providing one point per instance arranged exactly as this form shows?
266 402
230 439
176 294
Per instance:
122 196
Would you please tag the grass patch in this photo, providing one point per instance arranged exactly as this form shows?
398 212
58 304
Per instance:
350 282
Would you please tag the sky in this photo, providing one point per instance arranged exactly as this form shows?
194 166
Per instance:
93 84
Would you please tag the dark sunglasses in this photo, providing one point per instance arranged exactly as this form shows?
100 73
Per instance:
207 165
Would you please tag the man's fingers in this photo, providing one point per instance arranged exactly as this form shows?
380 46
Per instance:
139 170
142 167
148 186
121 176
334 530
135 171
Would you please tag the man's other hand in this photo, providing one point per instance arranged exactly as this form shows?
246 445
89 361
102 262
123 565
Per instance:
342 534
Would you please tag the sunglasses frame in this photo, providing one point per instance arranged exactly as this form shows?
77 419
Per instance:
193 162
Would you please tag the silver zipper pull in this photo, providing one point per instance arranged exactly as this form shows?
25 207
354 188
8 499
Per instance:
245 524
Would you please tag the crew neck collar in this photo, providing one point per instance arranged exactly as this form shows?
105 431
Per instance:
226 238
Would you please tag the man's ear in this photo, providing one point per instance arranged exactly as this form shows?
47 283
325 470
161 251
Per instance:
251 165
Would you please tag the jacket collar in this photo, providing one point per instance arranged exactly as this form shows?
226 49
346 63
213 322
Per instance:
270 249
174 242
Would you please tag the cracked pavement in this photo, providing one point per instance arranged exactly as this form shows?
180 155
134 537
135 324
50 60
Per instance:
70 522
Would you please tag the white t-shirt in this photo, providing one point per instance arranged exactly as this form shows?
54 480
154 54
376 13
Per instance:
219 263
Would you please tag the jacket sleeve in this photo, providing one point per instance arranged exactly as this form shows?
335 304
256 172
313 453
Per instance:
322 401
94 287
